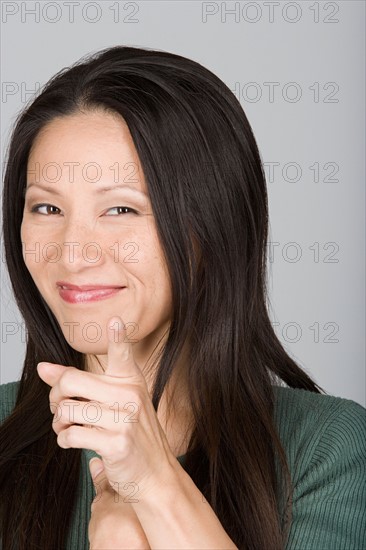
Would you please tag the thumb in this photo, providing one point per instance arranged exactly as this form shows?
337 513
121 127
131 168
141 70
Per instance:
96 467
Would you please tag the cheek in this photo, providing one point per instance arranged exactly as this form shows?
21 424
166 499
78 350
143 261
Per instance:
30 233
32 242
150 256
158 273
23 231
135 249
25 241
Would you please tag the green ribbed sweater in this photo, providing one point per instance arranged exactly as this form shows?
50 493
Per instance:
324 438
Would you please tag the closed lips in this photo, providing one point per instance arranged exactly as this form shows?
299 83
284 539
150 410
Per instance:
87 293
84 288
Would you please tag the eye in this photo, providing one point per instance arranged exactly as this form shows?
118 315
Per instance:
35 208
120 208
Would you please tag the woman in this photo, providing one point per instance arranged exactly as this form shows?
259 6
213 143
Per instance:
176 357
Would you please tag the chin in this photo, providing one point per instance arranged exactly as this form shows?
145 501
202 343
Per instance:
99 348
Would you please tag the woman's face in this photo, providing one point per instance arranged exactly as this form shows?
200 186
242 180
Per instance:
81 236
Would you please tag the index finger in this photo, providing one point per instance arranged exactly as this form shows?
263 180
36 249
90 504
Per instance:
121 363
78 383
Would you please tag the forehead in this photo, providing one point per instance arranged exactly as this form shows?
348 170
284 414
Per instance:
84 139
82 129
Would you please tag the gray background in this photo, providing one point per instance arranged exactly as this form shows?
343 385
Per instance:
298 69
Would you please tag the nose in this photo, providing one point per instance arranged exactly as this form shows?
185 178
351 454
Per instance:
80 246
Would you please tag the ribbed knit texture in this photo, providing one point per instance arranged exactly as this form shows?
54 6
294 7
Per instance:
324 438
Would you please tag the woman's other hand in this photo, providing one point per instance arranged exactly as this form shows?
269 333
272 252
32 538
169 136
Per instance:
114 524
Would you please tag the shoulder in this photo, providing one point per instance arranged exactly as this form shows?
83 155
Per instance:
318 427
324 438
301 414
8 395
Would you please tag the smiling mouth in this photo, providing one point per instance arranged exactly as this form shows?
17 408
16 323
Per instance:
78 296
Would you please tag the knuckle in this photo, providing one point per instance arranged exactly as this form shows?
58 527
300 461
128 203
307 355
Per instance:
68 437
136 394
68 379
123 446
51 395
118 450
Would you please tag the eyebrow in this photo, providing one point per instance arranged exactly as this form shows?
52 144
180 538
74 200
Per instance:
97 190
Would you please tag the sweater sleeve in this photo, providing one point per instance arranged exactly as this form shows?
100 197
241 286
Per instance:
329 499
8 395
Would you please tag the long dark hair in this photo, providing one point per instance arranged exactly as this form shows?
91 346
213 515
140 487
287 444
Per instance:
206 184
